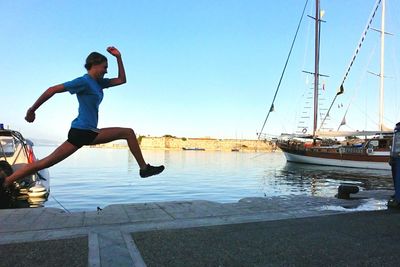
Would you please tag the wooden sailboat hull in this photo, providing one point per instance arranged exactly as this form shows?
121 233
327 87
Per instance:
338 156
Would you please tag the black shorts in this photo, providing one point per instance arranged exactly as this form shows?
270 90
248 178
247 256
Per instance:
80 137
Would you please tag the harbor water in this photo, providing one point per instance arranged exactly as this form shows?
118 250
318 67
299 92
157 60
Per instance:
97 177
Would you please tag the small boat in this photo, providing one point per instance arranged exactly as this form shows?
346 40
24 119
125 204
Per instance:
16 151
194 148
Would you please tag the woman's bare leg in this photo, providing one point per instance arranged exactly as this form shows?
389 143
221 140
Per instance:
62 152
115 133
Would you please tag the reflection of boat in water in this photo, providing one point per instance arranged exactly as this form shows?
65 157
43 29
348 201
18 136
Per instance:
322 180
16 151
194 148
321 146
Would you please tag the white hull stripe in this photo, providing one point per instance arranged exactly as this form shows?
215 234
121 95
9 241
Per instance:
337 162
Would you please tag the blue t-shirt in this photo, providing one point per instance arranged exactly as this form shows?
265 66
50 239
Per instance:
89 93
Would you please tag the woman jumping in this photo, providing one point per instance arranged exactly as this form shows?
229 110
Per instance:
84 131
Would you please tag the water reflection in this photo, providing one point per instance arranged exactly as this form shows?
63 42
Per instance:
21 201
324 181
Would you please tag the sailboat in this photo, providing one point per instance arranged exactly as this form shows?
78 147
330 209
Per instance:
372 149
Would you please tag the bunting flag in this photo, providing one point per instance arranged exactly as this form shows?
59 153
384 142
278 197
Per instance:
272 109
343 121
340 90
322 13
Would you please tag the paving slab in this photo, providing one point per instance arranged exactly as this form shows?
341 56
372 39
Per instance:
113 249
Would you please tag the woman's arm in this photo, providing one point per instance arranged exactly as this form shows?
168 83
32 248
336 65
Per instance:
30 114
121 79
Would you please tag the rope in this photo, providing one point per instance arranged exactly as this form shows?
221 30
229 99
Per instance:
284 69
60 204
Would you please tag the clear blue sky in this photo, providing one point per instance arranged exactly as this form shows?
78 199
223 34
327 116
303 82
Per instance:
194 68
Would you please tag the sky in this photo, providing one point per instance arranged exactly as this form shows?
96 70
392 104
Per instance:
206 68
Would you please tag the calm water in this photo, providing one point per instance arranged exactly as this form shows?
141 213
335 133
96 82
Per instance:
97 177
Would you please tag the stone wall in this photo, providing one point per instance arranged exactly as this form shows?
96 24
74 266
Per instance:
174 143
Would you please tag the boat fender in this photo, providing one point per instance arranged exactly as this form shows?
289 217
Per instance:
37 191
37 194
344 191
37 188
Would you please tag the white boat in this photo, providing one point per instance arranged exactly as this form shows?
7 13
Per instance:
194 148
16 151
371 149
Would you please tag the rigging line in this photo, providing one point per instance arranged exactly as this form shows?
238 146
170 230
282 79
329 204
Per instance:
364 34
355 94
60 204
260 155
284 69
378 2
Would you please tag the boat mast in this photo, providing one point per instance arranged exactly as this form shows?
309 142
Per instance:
382 76
316 65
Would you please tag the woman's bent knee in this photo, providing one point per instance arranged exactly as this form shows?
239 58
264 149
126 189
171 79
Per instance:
130 132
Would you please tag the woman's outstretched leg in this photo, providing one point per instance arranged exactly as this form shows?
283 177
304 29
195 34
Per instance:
107 135
62 152
115 133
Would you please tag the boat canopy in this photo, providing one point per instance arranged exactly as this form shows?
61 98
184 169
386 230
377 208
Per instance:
353 133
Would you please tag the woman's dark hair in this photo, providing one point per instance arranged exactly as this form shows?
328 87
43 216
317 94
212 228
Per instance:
94 58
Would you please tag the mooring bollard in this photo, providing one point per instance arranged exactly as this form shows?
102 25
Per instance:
344 191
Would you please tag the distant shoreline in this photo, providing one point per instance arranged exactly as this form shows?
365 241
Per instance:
199 144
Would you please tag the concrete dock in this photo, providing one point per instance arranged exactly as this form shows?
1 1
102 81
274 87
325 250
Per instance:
277 231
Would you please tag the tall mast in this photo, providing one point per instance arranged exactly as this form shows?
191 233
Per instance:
382 76
316 65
